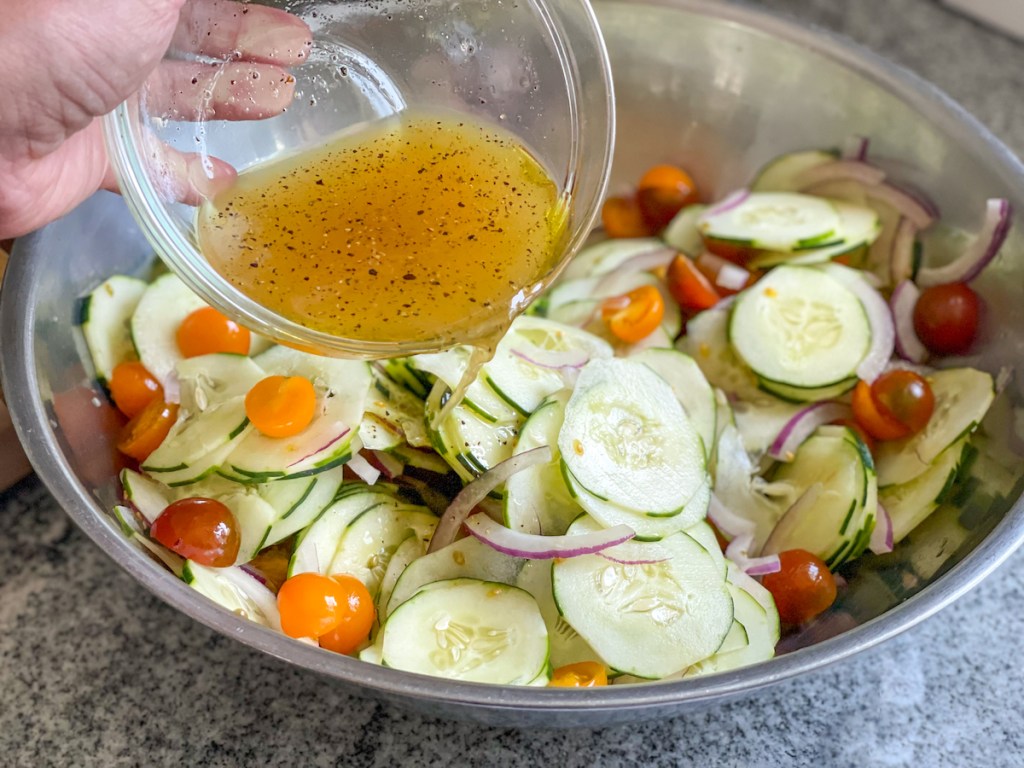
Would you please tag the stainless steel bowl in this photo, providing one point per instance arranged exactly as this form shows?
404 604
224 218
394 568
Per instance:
715 87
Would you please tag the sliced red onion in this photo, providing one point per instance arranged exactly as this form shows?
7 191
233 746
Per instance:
344 431
554 360
363 469
463 504
977 255
881 538
908 206
386 463
842 170
739 552
802 426
731 201
622 561
883 332
726 521
732 277
536 547
901 260
762 566
856 148
902 301
246 568
645 262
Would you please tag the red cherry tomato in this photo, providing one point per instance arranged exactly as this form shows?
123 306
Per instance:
946 318
688 285
621 217
803 588
200 529
132 388
662 192
877 424
906 397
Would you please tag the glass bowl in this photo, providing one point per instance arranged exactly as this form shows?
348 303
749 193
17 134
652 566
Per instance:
535 69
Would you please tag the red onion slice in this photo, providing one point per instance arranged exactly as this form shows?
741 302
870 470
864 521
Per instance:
733 200
622 561
802 426
732 277
553 360
842 170
856 148
981 251
907 205
463 504
726 521
883 332
739 552
386 463
902 301
881 538
536 547
901 260
365 471
343 432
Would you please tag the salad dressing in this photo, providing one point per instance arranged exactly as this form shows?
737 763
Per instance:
423 229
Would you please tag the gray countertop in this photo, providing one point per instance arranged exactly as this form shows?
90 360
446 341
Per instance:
94 670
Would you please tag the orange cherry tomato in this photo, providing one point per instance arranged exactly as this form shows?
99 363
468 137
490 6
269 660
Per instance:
133 388
662 192
357 618
621 217
688 285
200 529
281 406
207 331
872 420
634 316
583 674
906 397
312 605
147 429
803 588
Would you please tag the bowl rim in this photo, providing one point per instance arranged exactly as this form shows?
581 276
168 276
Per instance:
21 385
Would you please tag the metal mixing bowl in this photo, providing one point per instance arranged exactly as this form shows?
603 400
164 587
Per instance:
717 88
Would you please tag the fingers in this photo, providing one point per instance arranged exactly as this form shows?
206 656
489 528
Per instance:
182 177
181 90
223 29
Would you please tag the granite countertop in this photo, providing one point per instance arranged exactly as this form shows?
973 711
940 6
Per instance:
94 670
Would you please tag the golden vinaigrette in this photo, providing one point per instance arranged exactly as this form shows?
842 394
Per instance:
418 229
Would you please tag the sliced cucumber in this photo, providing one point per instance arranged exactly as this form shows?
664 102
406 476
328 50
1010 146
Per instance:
649 620
377 434
859 226
106 319
627 440
606 256
254 518
704 535
471 630
759 424
802 395
707 342
196 437
784 173
298 510
235 590
411 548
801 328
682 233
166 302
910 504
207 380
149 497
466 442
962 397
776 221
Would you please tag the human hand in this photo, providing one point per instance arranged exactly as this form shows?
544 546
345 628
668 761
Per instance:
66 64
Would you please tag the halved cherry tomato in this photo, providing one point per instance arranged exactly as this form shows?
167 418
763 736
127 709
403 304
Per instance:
662 192
688 285
803 588
634 316
582 674
621 217
207 331
357 618
946 318
272 563
875 423
199 529
281 406
132 387
147 429
312 605
906 397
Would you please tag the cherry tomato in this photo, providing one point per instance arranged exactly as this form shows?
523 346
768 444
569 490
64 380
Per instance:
662 192
272 563
946 318
803 588
711 266
688 285
281 406
357 618
621 217
133 387
877 424
634 316
737 254
200 529
582 674
207 331
147 429
906 397
312 605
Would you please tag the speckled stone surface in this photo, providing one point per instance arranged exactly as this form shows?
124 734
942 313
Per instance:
96 671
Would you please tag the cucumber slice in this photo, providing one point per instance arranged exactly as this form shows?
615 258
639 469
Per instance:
370 540
691 389
647 620
759 424
466 558
682 233
254 518
801 328
234 590
297 510
471 630
707 342
166 302
859 226
149 497
210 379
627 440
377 434
106 318
536 499
196 436
962 397
909 504
392 404
800 395
411 548
607 256
776 221
466 442
783 173
704 535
